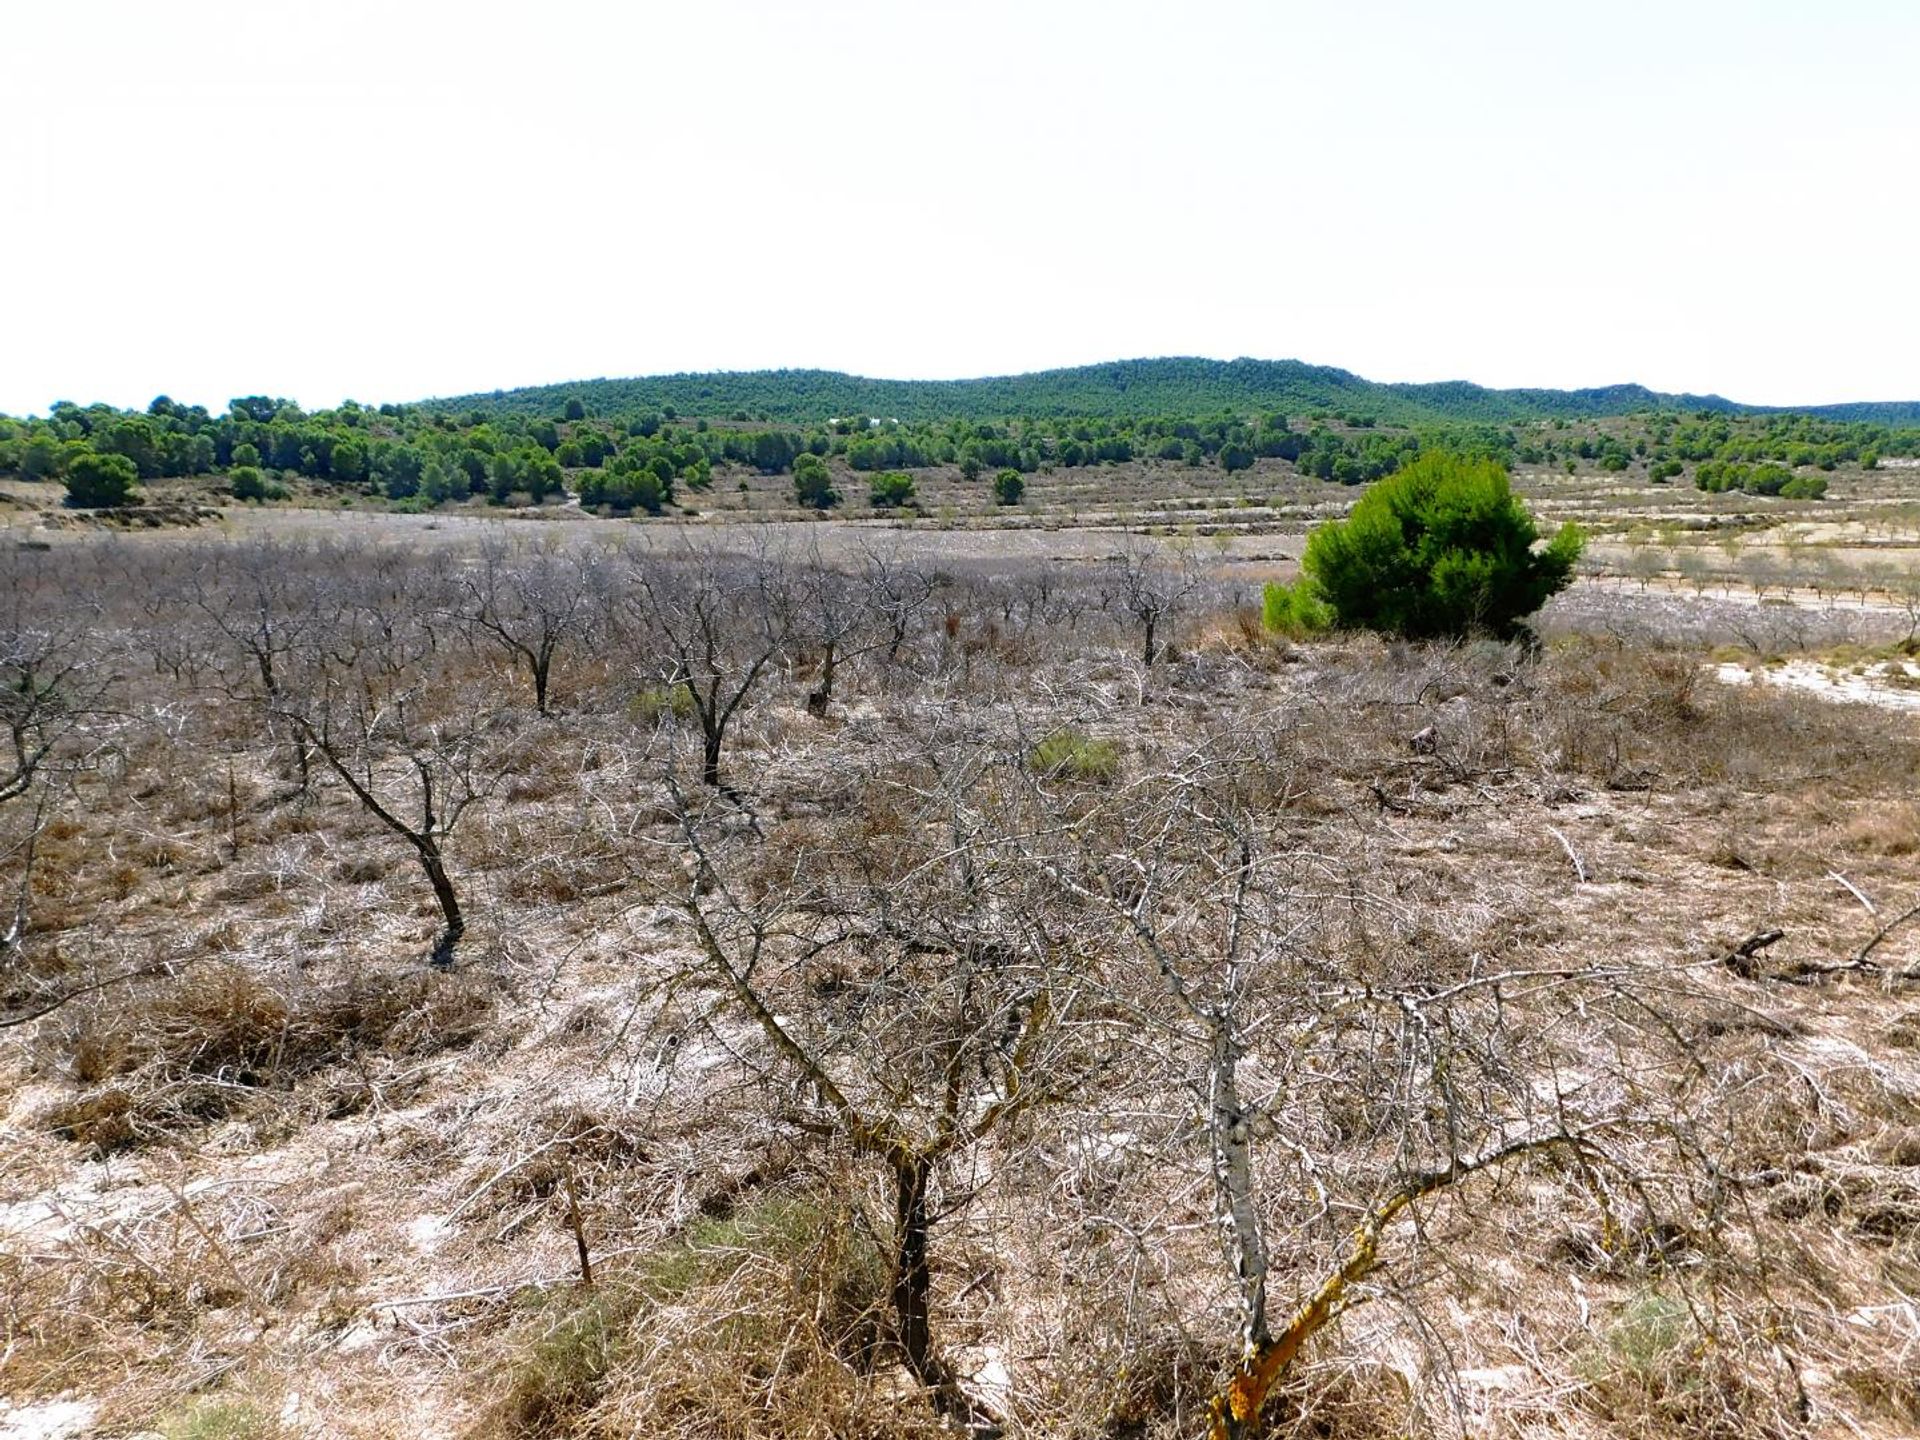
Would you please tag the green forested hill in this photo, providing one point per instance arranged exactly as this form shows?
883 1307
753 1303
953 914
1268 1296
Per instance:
1177 386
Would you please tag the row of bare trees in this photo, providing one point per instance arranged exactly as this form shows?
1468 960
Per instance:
361 657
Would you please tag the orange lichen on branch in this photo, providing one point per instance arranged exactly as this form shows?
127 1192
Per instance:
1237 1409
1235 1412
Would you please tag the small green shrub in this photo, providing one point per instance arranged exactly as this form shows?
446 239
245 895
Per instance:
1648 1331
223 1420
1070 755
661 702
1293 610
1008 487
562 1371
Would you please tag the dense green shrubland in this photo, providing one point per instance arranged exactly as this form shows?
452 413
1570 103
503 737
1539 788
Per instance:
641 459
1118 390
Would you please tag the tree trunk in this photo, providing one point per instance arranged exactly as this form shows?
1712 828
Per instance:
912 1296
542 669
297 768
1233 1177
710 759
912 1274
818 700
456 924
1151 622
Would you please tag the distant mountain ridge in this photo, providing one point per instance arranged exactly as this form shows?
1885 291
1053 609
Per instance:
1169 386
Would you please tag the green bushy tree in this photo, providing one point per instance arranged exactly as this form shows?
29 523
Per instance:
813 483
40 458
349 462
96 482
443 480
1442 547
891 489
1008 487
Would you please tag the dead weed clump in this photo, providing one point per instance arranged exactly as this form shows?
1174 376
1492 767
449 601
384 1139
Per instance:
1641 718
764 1323
577 1146
1892 830
202 1045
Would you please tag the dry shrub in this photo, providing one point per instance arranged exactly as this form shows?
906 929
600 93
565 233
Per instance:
1158 1386
103 1120
1637 717
765 1323
1238 633
1891 830
201 1045
576 1141
387 1084
1900 1147
1350 1398
362 869
559 874
1884 1392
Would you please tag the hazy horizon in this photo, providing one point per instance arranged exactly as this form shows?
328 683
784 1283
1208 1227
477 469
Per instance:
394 203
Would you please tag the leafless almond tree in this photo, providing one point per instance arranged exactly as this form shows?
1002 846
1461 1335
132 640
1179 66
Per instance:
531 604
713 626
832 616
57 692
1226 922
1152 588
899 593
411 756
909 977
267 601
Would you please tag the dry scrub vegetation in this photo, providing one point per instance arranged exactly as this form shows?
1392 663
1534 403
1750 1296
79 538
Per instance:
594 989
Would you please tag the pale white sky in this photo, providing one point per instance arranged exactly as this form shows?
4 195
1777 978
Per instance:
395 200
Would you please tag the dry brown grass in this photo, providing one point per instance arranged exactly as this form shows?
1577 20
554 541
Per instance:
212 1041
762 1323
